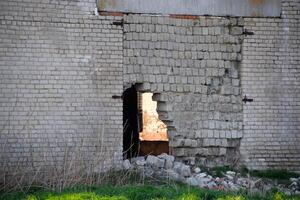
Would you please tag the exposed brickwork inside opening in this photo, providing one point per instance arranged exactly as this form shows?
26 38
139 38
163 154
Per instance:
153 129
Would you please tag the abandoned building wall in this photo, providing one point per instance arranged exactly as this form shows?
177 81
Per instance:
59 67
192 67
270 75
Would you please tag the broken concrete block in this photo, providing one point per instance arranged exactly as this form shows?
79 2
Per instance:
182 169
191 181
169 160
155 161
173 175
197 170
127 165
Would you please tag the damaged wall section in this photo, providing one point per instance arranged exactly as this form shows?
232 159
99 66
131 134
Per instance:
193 66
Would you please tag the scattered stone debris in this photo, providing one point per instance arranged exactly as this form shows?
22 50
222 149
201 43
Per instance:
165 166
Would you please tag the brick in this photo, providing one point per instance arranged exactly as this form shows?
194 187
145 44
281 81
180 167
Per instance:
65 67
262 62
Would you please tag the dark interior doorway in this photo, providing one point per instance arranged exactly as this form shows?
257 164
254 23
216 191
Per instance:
130 123
143 132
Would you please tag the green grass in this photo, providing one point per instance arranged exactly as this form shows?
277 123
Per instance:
274 174
78 196
172 191
270 174
219 171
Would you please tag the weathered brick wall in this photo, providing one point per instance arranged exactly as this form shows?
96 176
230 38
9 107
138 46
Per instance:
271 76
59 67
192 66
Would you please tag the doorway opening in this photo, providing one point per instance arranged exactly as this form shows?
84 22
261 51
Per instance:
130 123
144 133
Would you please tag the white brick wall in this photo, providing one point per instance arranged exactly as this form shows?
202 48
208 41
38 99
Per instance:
271 76
59 67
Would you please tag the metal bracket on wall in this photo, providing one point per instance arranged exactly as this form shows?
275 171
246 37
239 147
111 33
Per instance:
118 23
248 32
245 99
116 97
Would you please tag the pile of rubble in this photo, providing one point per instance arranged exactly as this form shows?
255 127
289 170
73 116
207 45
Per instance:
164 166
